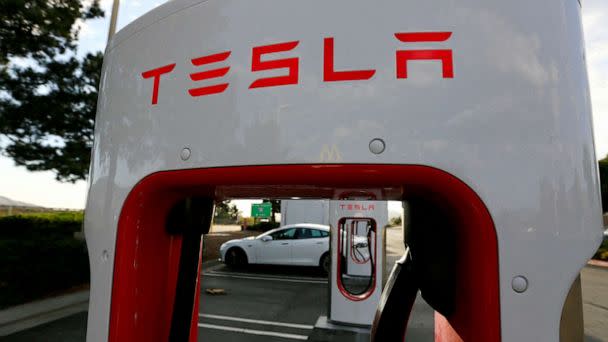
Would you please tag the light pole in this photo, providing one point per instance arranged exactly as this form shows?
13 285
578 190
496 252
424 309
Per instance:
113 19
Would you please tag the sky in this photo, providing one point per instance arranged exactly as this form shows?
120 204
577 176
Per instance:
41 188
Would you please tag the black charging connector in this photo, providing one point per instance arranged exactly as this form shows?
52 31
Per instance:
190 218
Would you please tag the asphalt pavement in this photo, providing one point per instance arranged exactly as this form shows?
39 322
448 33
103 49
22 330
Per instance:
70 329
261 303
595 303
283 303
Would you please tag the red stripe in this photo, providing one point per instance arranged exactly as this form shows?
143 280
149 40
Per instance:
218 57
205 75
413 37
331 75
202 91
197 298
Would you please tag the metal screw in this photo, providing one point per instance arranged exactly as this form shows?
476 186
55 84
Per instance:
185 154
519 284
377 146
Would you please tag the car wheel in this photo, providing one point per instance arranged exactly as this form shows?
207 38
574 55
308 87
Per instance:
236 258
325 263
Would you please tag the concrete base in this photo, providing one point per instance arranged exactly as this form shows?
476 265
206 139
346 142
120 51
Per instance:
325 331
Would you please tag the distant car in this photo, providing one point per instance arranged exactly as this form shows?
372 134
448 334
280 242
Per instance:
303 244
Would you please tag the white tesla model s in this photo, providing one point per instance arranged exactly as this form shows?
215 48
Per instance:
302 244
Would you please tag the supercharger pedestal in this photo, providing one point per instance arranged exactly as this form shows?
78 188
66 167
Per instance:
357 268
474 112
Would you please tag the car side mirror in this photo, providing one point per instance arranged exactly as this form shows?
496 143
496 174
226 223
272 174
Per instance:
266 238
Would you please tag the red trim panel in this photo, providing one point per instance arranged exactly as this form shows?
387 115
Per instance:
147 257
197 298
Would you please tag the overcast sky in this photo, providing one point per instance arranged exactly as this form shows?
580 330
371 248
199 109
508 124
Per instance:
41 188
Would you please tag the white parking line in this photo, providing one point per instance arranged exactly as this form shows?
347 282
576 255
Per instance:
253 331
265 275
283 279
256 321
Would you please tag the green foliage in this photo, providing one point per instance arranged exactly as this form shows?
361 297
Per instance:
225 213
40 256
247 221
395 221
48 95
602 252
276 208
263 226
8 211
33 226
74 216
48 114
41 29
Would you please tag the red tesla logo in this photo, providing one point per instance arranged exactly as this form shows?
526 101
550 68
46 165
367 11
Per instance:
209 74
262 62
445 56
292 64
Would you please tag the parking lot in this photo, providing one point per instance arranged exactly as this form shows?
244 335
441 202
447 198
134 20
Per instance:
261 304
276 303
269 303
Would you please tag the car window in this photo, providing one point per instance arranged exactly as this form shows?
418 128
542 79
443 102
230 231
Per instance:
284 234
316 234
304 233
310 233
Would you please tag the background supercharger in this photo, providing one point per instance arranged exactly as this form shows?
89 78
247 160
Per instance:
498 124
358 250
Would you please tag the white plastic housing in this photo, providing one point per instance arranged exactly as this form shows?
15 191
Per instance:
512 121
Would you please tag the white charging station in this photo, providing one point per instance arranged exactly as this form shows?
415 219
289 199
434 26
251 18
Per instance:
475 112
357 247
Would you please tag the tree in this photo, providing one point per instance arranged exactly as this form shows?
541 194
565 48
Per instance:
49 115
226 212
603 165
41 29
47 94
395 221
276 208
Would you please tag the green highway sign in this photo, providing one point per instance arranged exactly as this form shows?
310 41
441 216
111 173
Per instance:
261 210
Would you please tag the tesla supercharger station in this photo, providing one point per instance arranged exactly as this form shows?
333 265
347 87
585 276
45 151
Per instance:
358 250
475 112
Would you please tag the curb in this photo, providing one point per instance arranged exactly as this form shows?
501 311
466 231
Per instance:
209 264
29 315
598 263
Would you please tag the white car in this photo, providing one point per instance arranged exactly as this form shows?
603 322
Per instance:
302 244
